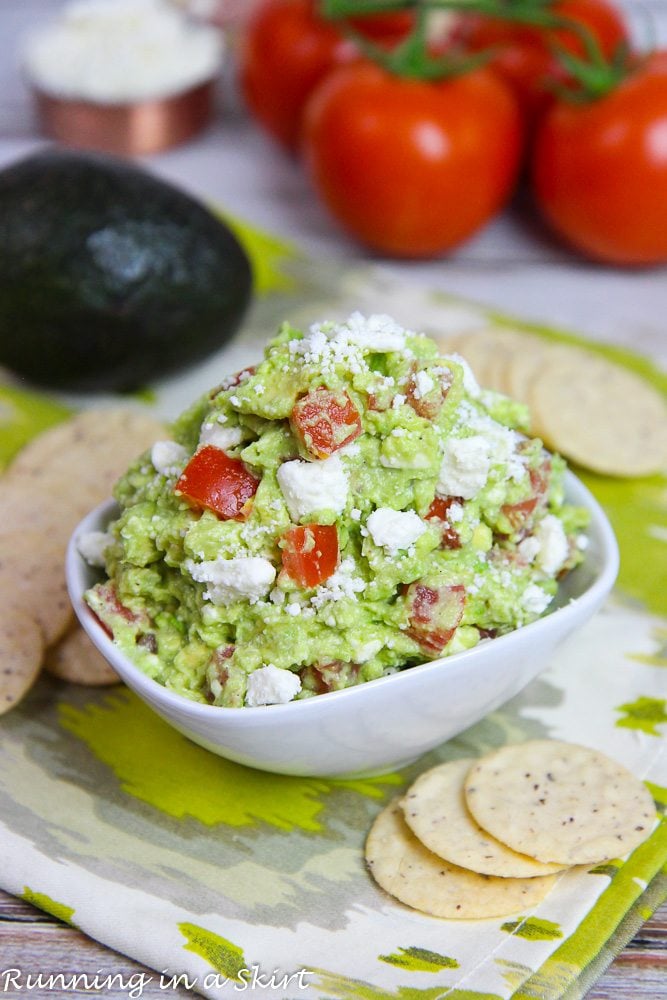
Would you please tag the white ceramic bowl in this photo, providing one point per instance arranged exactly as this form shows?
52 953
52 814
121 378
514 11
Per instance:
385 723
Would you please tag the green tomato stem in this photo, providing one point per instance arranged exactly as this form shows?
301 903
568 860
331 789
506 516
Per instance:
593 74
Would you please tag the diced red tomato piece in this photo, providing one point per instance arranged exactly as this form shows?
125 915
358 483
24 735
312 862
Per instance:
310 553
427 404
434 614
214 481
324 677
325 421
519 514
111 607
439 511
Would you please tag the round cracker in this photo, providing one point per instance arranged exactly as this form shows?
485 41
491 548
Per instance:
32 580
488 351
96 445
22 508
435 810
21 649
559 802
407 870
75 659
600 415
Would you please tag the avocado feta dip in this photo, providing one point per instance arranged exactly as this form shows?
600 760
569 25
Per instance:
353 505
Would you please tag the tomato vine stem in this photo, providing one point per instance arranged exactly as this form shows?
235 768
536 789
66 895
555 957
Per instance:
592 74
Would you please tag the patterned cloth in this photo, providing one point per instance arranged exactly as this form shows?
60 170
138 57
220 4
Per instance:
239 881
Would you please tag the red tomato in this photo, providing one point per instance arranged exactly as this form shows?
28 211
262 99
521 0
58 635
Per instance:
287 48
213 480
435 614
524 56
427 403
310 553
520 514
408 167
386 29
600 169
325 421
439 511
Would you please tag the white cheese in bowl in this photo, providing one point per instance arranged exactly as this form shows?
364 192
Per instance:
121 51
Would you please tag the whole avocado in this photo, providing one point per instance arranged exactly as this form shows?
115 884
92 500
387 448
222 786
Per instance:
109 277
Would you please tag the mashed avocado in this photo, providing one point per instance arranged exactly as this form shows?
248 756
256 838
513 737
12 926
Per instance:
352 506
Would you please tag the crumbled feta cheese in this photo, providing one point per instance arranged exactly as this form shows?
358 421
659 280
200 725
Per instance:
398 400
259 389
277 596
234 400
465 466
355 514
220 437
535 600
528 548
395 529
455 513
293 609
92 546
423 384
470 383
554 547
343 583
231 580
312 486
168 458
329 344
118 51
271 686
366 652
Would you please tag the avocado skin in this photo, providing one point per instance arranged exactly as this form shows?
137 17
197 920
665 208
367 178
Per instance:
109 277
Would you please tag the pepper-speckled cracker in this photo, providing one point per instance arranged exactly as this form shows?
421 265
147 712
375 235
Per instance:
407 870
75 659
600 415
32 580
435 810
97 445
21 649
559 802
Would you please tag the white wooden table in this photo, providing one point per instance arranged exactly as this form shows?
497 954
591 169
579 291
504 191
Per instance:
513 265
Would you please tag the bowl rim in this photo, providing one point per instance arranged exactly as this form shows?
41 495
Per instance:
76 567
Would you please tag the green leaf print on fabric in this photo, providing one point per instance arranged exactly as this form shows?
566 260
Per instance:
22 416
659 797
126 736
51 906
564 967
610 868
267 255
533 929
419 960
644 714
223 956
657 659
638 514
335 987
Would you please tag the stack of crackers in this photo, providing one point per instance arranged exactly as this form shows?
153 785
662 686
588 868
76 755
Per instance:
594 412
55 480
474 839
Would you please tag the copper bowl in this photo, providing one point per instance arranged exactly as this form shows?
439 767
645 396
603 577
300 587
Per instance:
135 129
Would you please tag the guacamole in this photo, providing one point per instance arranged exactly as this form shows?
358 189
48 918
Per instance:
353 505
